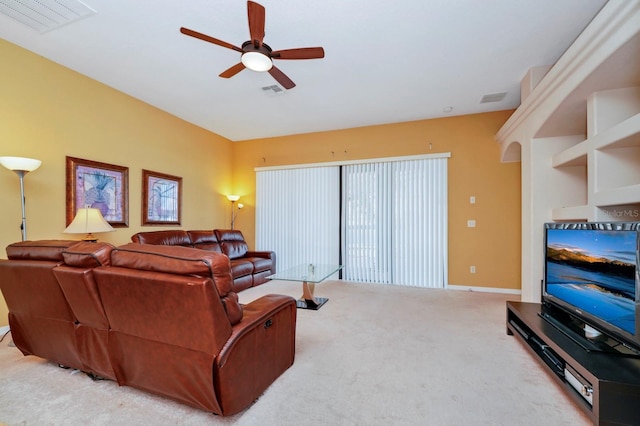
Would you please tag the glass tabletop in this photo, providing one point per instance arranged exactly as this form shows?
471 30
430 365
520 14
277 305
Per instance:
310 273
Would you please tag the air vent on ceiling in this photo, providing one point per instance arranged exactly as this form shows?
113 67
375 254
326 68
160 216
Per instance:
273 90
45 15
494 97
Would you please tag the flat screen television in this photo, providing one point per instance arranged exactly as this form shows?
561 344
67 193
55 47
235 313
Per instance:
592 274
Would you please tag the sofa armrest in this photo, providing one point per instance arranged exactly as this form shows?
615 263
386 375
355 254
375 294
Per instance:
266 254
271 255
261 348
256 314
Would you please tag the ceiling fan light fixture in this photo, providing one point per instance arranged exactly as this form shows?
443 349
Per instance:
256 61
256 55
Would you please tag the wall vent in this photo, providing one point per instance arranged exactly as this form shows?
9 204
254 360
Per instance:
273 90
493 97
45 15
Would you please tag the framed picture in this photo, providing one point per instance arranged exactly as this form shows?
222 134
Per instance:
99 185
161 198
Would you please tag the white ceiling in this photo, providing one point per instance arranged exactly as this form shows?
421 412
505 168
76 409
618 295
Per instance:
385 61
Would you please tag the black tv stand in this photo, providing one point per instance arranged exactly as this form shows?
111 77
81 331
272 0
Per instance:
572 327
603 383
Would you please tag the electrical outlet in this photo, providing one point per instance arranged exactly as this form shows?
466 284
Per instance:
472 269
471 223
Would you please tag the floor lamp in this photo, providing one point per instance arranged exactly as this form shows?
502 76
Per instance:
21 166
233 199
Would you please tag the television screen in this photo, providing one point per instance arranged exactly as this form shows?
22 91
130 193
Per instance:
592 268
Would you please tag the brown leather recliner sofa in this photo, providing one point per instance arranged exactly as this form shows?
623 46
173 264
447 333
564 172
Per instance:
40 317
248 268
157 318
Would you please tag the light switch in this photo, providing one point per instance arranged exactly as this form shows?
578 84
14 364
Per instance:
471 223
472 199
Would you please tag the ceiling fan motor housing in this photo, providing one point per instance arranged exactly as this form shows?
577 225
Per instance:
249 46
256 58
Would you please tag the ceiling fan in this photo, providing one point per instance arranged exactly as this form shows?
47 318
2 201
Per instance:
255 54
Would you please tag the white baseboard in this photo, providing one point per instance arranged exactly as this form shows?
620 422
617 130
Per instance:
3 330
484 289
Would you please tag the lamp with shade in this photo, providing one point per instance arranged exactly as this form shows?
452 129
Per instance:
21 166
87 221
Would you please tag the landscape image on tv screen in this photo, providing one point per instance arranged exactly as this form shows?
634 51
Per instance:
594 270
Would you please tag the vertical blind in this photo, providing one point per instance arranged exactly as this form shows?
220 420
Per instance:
395 222
367 216
386 222
298 215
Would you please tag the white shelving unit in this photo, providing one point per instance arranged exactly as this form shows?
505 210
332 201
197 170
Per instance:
577 135
607 162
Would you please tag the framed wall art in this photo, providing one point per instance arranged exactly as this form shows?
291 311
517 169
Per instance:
98 185
161 198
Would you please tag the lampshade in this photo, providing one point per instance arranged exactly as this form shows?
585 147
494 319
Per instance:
20 163
87 221
233 198
256 61
21 166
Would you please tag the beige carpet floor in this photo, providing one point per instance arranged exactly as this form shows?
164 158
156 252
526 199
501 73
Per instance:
373 355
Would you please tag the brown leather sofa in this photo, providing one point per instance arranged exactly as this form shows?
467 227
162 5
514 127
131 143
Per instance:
40 318
78 285
158 318
248 268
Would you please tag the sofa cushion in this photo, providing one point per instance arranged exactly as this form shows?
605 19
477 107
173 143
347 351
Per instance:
88 255
260 264
175 237
241 267
232 243
175 260
205 240
260 277
242 283
39 250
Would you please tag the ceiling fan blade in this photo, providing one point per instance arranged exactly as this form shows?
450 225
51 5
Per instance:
210 39
233 70
281 78
302 53
256 22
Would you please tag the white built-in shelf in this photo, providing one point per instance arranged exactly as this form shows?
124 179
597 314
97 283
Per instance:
574 156
574 213
623 134
577 133
607 162
617 196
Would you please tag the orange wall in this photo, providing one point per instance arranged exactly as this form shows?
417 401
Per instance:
474 170
49 112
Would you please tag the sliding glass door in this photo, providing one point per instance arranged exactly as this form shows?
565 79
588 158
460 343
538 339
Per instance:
386 221
298 215
395 222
